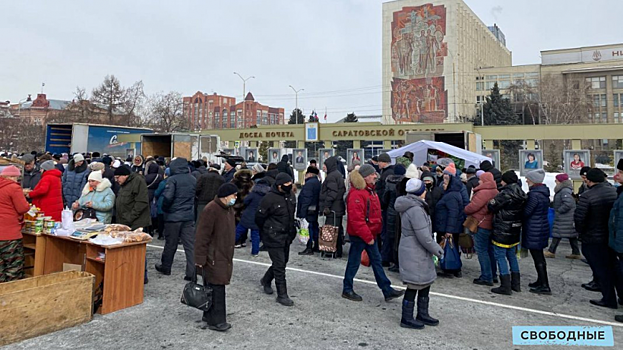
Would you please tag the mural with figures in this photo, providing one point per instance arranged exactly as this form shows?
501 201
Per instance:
417 56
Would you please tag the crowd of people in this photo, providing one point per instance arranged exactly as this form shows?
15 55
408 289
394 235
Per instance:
400 214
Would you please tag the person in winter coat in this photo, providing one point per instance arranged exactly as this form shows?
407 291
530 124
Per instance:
275 219
401 190
229 170
109 173
247 222
472 180
387 169
47 195
364 225
591 217
433 192
32 174
583 172
258 172
207 187
307 208
74 179
242 180
536 228
159 198
389 197
138 165
564 207
615 228
507 208
97 195
489 168
13 206
477 208
417 247
214 252
200 169
179 219
284 167
153 176
449 213
332 204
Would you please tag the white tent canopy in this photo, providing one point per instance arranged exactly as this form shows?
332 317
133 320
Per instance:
420 152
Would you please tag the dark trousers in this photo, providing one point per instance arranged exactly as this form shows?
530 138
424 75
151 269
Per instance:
337 221
160 225
277 271
357 246
575 249
537 256
173 233
606 269
217 313
389 239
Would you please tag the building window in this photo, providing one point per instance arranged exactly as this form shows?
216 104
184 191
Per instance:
489 85
217 120
480 86
258 118
504 76
532 75
616 117
492 77
518 76
532 82
597 82
504 84
617 81
615 99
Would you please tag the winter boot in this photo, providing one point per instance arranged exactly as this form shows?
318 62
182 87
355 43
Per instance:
282 294
308 250
505 286
407 320
515 282
266 284
543 288
422 311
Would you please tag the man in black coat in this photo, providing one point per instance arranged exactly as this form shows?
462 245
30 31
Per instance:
275 219
332 204
230 170
433 192
284 167
179 217
307 208
32 174
489 168
200 169
472 179
591 221
207 187
387 169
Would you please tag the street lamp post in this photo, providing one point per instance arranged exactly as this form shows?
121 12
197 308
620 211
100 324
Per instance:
244 91
296 99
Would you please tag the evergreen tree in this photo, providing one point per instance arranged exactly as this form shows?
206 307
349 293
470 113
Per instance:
343 146
296 114
498 110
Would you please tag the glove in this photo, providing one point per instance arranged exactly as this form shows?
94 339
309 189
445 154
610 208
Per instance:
326 212
439 253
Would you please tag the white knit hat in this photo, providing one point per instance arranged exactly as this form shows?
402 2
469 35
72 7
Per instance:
412 172
96 176
116 164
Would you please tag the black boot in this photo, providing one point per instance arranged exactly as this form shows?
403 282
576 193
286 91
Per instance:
505 286
422 310
407 320
282 294
266 284
544 289
308 250
515 282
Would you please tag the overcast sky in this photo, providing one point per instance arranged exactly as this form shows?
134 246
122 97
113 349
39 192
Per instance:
330 48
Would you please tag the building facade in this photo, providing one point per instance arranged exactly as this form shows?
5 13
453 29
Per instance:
215 111
431 53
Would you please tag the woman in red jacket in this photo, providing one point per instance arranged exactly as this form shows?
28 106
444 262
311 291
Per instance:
13 206
477 208
48 194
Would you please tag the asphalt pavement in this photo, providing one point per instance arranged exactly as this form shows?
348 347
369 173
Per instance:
471 317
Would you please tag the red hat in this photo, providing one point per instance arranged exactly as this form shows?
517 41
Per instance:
11 170
562 177
450 169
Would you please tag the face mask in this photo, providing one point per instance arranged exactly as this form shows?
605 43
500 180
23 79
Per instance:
231 202
429 186
287 188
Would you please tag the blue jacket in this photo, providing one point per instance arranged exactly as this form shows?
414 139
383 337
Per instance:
615 226
179 193
309 196
252 202
103 200
449 211
159 197
74 180
535 233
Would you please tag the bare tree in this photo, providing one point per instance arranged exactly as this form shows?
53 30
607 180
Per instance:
20 135
110 95
134 102
165 112
564 102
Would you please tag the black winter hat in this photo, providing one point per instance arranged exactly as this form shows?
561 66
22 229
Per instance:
282 178
122 170
226 189
284 158
584 170
620 164
107 160
470 170
486 165
312 170
508 177
596 175
231 162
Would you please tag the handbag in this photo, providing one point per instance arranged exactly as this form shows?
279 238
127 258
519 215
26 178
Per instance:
471 223
451 259
365 258
197 295
85 213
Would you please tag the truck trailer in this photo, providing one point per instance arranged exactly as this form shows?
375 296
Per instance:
74 138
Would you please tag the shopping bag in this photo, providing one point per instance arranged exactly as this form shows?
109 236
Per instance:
197 295
365 259
451 259
328 237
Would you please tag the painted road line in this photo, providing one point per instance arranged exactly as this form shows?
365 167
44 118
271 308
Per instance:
518 308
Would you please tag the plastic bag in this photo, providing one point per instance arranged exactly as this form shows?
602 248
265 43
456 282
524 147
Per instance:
451 256
67 219
303 235
365 258
303 223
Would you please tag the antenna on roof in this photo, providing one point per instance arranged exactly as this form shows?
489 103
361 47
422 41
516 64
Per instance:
42 85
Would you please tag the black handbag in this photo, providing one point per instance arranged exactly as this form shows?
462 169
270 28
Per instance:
85 213
197 295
